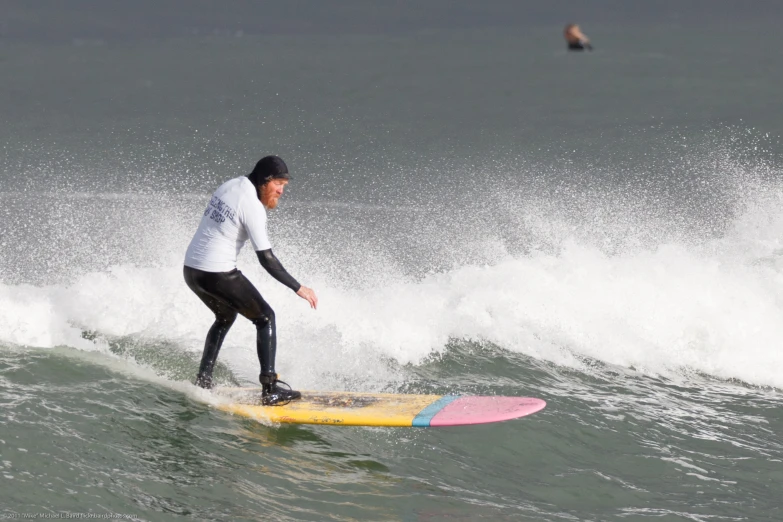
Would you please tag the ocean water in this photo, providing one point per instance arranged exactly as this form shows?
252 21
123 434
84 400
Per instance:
479 212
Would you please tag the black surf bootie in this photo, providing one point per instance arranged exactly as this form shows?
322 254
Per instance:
273 394
204 381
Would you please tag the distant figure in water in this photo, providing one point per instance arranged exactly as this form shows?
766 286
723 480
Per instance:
576 39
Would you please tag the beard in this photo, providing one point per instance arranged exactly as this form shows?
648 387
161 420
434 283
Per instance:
268 197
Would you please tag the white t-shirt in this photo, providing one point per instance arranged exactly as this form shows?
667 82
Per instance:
233 215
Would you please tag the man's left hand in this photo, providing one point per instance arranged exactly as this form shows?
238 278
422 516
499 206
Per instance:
309 295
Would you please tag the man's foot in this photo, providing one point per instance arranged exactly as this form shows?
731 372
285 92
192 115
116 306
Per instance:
275 395
205 381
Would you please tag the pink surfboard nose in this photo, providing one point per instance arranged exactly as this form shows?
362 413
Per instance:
480 410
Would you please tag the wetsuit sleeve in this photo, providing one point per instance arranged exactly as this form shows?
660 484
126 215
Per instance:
272 265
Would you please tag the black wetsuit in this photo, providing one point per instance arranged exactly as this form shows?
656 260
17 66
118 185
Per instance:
228 294
579 46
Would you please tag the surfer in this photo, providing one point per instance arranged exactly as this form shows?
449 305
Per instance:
235 213
576 39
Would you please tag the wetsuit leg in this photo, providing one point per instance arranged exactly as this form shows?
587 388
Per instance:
266 340
226 294
224 318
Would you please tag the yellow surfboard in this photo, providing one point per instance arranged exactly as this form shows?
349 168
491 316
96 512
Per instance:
379 409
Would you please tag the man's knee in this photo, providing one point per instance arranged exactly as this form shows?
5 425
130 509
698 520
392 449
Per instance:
266 318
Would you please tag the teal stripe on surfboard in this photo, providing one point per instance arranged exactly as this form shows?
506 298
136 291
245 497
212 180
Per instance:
422 420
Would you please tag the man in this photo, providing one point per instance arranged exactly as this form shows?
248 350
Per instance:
576 39
235 213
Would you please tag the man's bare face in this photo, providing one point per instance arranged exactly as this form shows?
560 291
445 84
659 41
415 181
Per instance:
271 192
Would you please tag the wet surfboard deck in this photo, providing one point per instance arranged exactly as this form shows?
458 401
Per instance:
380 409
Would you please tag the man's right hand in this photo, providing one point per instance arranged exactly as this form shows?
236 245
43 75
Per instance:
308 295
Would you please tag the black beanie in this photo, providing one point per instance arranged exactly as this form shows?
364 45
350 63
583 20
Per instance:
268 168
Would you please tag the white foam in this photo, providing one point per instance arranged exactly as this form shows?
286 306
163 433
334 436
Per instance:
667 309
662 304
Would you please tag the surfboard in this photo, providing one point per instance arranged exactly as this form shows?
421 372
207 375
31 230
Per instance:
380 409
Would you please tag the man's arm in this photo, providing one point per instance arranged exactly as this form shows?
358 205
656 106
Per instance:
272 265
